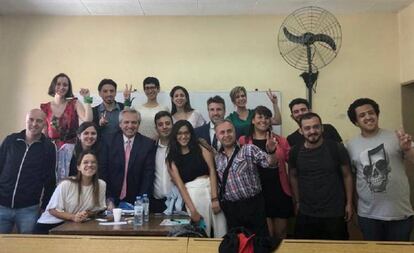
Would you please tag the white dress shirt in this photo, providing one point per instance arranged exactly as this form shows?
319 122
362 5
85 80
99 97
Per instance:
162 181
212 133
126 141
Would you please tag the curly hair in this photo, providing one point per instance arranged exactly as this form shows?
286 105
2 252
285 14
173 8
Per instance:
360 102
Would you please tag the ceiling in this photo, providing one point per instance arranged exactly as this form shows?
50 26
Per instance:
190 7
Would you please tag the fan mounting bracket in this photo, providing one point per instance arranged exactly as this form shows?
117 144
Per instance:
310 78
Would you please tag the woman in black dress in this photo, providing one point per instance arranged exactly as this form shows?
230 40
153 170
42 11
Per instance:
191 166
274 181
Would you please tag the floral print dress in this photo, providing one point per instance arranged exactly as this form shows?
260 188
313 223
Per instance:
62 131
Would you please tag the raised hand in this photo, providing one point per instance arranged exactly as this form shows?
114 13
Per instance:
405 139
271 143
271 96
127 91
84 92
102 120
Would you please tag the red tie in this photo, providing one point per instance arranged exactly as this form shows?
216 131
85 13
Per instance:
124 184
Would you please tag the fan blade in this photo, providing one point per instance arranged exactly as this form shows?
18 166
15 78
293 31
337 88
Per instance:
294 38
325 38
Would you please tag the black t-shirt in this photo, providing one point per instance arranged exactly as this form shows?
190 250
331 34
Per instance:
190 166
266 174
320 180
329 133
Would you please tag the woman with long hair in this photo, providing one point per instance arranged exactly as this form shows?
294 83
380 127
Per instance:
275 183
87 139
242 117
181 108
62 118
65 110
75 198
191 165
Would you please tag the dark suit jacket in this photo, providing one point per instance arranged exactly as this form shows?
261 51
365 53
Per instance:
141 167
203 132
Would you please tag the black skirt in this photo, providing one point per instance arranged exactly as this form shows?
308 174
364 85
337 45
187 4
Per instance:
277 203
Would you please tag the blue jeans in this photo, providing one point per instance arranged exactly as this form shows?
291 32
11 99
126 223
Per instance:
24 219
379 230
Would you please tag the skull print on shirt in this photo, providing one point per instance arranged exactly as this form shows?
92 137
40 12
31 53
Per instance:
376 168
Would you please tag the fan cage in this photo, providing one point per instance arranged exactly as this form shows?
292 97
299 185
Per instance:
315 20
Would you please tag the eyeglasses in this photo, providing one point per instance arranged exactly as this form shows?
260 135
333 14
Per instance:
150 88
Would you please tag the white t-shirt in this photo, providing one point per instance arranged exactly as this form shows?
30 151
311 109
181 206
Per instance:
147 125
196 119
382 184
65 199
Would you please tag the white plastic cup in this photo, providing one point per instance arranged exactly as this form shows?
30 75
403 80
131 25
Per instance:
117 214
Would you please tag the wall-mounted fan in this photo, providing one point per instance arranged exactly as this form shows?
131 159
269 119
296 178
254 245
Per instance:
309 39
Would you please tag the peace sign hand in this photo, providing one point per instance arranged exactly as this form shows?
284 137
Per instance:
271 96
127 91
103 121
271 143
404 139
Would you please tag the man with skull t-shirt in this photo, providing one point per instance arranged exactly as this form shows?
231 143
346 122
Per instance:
377 155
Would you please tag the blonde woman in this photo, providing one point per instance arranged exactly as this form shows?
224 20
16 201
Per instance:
242 117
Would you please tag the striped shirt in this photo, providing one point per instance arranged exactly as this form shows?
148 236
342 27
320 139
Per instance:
243 180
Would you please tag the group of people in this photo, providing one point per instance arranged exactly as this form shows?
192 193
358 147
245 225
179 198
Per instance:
329 180
229 172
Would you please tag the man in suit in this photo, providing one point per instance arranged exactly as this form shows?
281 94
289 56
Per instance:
216 110
127 161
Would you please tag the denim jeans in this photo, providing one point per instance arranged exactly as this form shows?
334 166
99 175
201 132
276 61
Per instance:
379 230
24 219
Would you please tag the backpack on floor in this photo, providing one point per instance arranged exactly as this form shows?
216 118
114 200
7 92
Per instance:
189 230
240 240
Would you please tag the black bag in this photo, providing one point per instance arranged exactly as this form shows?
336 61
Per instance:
188 230
230 243
261 244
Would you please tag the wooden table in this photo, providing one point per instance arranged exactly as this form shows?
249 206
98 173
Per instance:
319 246
92 227
210 245
23 243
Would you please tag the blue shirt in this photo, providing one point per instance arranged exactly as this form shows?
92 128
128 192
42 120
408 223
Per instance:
113 120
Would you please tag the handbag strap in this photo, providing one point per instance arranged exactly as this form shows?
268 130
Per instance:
226 174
